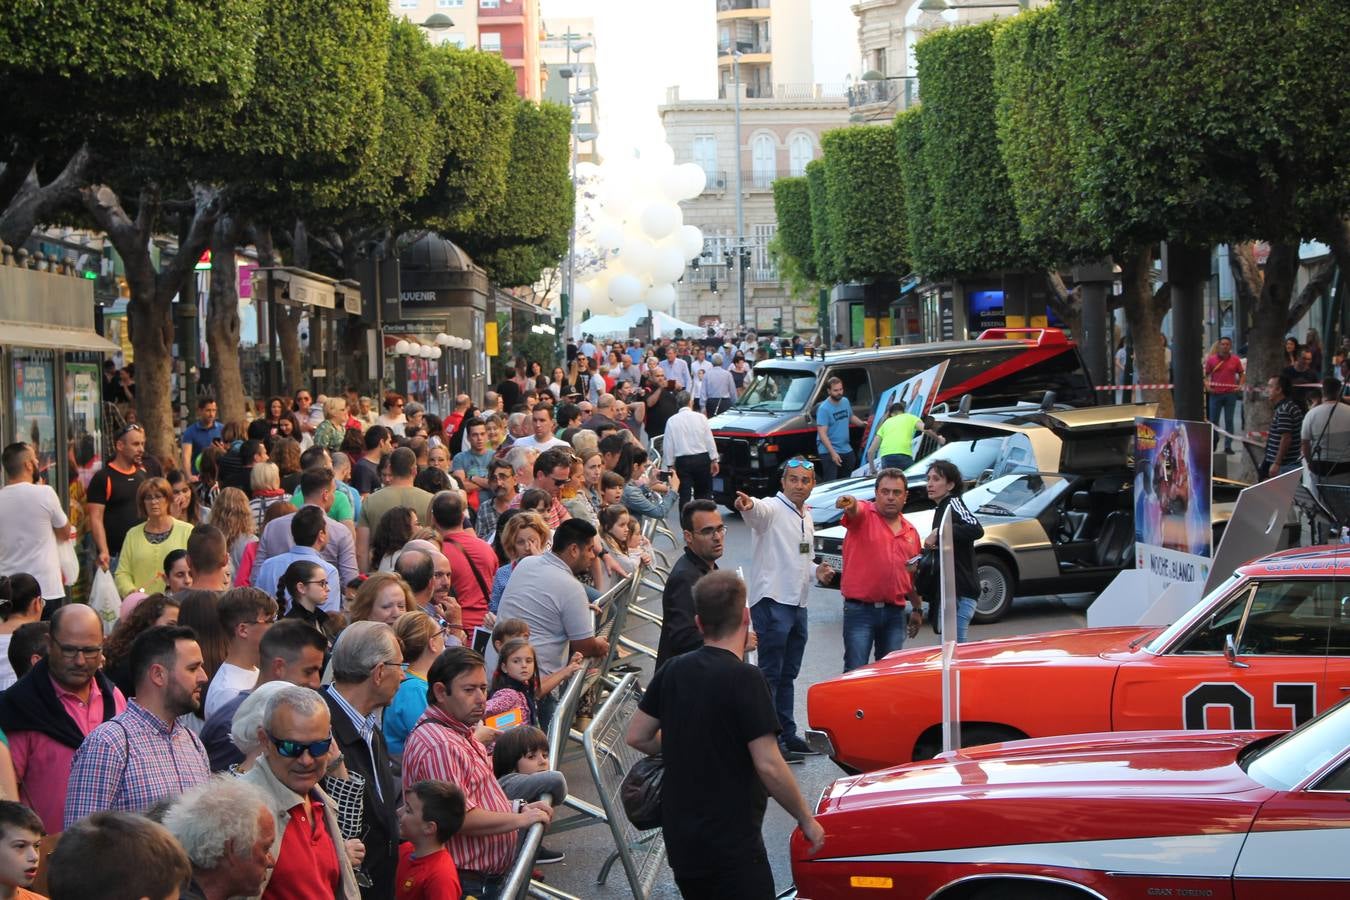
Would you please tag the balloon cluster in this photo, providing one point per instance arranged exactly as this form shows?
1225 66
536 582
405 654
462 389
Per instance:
632 242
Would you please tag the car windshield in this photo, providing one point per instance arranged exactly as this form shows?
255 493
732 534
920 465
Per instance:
1014 495
1186 621
1290 760
778 389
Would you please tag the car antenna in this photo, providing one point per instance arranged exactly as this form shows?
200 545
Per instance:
964 408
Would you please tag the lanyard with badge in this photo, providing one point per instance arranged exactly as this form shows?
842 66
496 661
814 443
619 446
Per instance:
804 548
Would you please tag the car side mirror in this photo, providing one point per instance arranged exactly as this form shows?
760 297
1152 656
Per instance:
1230 653
985 476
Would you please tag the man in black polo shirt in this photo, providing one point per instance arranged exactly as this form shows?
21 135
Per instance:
111 498
708 713
704 540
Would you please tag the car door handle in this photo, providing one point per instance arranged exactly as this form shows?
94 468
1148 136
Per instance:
1345 689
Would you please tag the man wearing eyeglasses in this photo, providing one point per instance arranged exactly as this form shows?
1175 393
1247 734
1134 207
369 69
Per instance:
779 583
367 670
145 754
312 859
111 498
552 470
47 713
704 542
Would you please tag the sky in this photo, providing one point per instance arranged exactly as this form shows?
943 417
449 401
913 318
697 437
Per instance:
643 48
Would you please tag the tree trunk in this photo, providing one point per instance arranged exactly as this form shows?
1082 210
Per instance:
150 307
287 319
31 202
1269 293
222 320
1067 304
1144 311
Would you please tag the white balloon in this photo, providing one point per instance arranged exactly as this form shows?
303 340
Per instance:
692 180
581 295
639 255
657 155
669 264
609 236
660 297
587 170
690 238
625 290
661 219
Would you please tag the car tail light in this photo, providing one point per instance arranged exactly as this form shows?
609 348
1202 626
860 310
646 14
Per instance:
770 448
884 882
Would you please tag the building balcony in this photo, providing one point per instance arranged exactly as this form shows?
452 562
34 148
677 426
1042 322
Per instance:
762 47
502 11
900 93
508 52
717 182
743 9
765 91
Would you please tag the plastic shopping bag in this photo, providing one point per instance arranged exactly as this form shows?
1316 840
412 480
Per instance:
104 599
70 563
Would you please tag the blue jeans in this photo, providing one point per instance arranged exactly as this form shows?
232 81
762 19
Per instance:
782 641
965 611
1223 405
866 626
830 472
900 461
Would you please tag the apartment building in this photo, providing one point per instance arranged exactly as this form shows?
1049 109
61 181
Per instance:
509 28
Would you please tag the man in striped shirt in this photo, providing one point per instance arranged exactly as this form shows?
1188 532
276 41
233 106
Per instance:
441 746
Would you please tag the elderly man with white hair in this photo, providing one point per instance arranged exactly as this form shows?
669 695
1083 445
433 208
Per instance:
366 675
297 749
227 831
719 388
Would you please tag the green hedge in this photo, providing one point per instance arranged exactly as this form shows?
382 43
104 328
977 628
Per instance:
866 206
821 240
975 226
792 206
1208 121
909 131
1030 76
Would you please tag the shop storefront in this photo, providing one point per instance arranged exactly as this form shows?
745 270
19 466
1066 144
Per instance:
51 362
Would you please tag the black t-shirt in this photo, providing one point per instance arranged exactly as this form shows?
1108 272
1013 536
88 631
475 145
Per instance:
365 476
509 391
711 706
117 492
659 413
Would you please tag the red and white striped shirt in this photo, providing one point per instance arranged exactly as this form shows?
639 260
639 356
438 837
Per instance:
440 747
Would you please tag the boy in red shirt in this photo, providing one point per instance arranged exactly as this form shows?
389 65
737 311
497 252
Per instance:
431 814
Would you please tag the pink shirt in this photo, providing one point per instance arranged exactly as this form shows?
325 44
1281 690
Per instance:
42 764
1224 374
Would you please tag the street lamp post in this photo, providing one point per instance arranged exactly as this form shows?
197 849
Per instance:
578 135
437 22
740 201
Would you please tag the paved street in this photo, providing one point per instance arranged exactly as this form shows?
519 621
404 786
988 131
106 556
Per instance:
586 848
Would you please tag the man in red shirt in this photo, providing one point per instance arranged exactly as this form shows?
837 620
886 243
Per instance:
473 563
442 747
876 583
1224 373
312 861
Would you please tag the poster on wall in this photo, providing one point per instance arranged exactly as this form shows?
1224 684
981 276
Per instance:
83 404
1172 500
917 394
35 403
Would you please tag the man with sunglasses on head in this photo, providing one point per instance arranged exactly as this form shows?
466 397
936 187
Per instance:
704 542
780 581
111 498
144 754
47 713
297 750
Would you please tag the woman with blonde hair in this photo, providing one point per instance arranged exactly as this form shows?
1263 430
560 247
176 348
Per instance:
526 534
331 430
234 518
423 639
382 598
264 481
573 494
140 566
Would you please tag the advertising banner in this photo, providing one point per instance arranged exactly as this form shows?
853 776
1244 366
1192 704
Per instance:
1172 500
916 393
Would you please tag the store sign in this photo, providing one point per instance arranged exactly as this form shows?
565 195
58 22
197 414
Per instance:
308 292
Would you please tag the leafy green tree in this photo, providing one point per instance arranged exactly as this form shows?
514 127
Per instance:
792 245
866 208
528 231
821 239
909 132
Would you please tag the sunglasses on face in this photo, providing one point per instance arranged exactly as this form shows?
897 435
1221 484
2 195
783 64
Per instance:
296 749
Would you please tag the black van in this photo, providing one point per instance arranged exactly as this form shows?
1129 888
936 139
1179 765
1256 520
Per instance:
774 418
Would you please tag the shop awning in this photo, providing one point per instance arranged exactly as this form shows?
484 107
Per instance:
504 298
24 334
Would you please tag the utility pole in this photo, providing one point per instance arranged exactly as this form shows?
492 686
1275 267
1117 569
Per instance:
740 200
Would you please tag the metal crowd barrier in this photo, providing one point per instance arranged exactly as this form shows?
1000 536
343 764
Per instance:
610 758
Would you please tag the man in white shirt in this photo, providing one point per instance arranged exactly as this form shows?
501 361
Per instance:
1326 433
689 448
779 583
32 523
698 372
675 369
245 615
543 438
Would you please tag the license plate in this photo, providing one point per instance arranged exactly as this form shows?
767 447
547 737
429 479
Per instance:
834 562
718 485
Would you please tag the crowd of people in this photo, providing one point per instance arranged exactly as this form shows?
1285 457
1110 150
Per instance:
284 699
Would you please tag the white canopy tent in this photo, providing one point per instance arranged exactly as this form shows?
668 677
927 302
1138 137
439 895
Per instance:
663 325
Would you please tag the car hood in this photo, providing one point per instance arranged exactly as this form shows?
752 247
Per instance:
1033 649
1119 766
744 421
